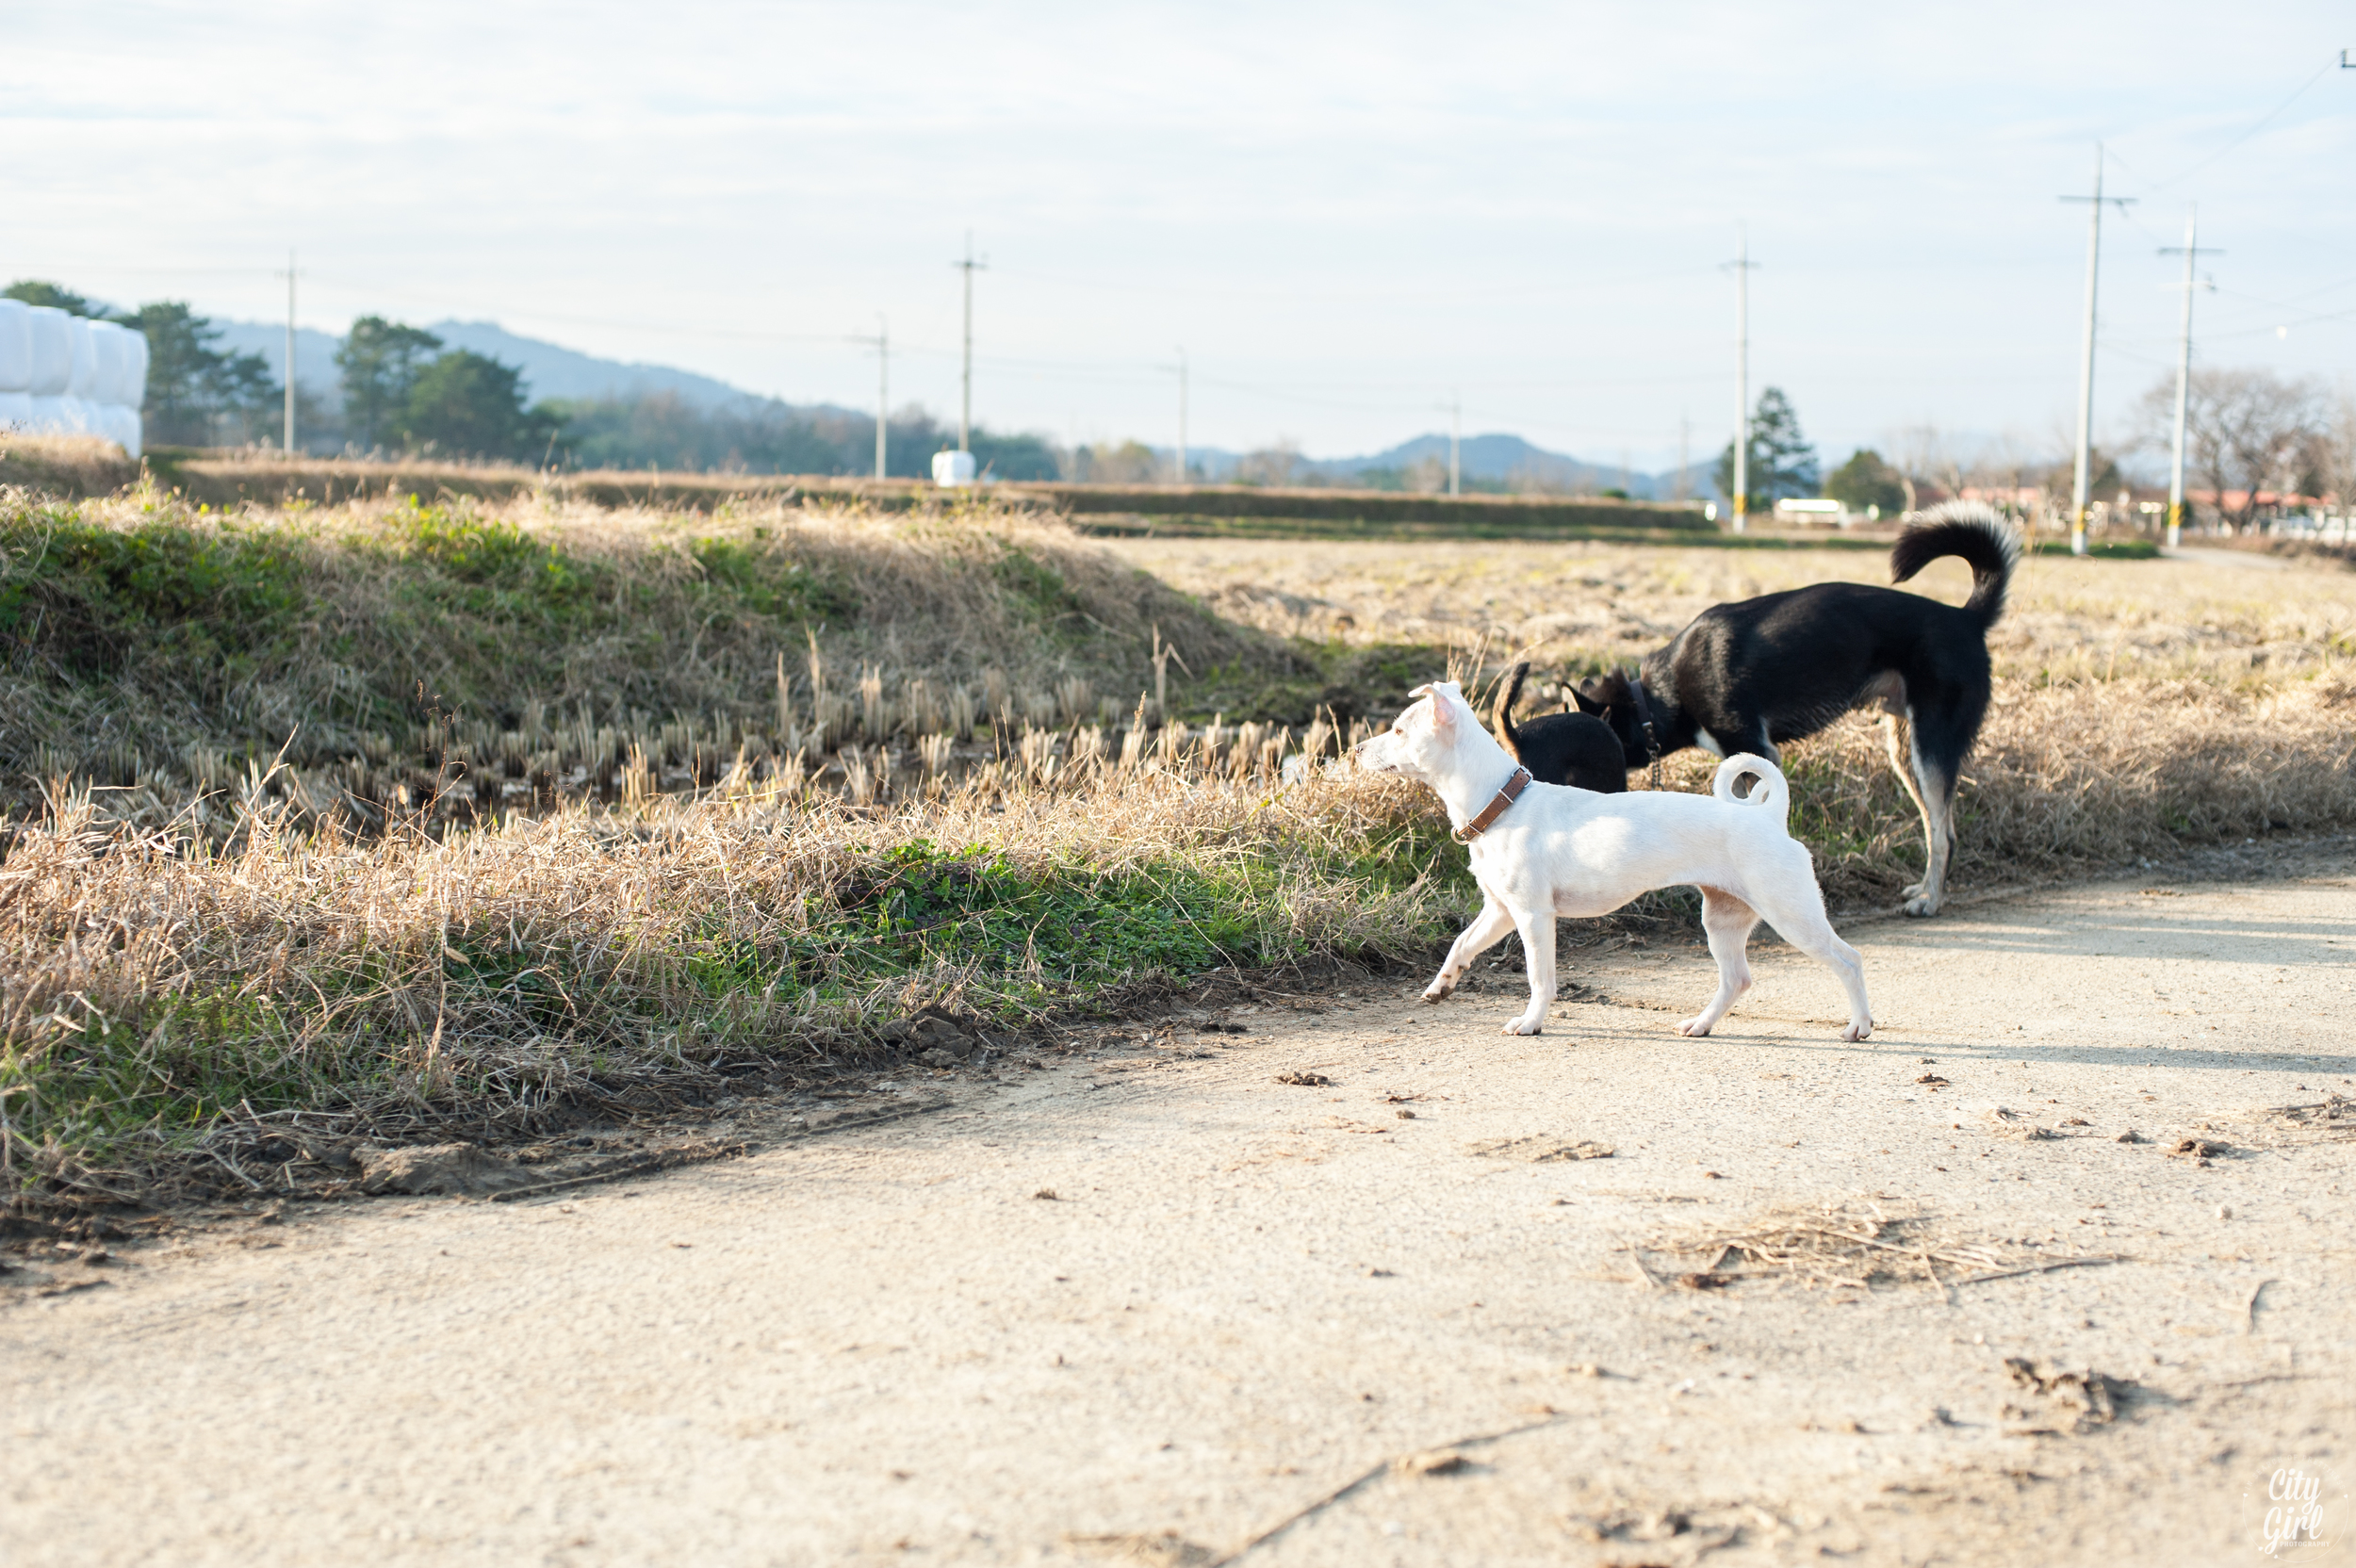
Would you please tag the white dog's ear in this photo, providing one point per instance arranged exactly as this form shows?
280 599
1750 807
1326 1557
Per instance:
1443 711
1419 692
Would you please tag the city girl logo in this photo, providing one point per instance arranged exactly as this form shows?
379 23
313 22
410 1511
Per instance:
2298 1525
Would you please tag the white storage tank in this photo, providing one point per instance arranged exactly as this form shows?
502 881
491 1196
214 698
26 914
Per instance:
953 469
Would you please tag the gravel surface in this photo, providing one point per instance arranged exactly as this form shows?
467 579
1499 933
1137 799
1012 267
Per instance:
1447 1298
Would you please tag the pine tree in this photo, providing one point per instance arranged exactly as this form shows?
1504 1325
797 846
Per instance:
1781 460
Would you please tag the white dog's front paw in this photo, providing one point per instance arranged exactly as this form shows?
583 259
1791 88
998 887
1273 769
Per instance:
1698 1026
1920 906
1439 991
1529 1023
1857 1031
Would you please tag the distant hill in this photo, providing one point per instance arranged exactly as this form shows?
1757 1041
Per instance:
1509 460
549 370
1495 458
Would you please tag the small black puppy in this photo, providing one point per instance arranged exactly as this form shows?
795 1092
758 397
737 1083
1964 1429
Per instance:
1745 677
1572 748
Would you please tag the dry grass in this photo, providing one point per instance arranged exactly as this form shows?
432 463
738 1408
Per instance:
64 464
159 997
2221 618
1855 1245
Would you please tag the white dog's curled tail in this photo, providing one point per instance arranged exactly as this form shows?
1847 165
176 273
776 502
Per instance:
1767 785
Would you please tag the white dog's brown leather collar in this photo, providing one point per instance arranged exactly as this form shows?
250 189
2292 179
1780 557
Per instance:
1495 809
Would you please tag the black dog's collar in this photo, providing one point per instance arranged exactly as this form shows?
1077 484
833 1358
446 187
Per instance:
1644 717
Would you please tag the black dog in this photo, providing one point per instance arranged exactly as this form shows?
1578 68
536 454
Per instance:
1573 748
1745 677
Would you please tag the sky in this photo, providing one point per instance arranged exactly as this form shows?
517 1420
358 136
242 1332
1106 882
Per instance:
1347 217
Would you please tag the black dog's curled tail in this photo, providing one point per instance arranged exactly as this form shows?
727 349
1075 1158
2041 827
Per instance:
1973 531
1501 716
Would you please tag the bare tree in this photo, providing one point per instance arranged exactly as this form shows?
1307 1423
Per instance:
1130 463
1920 456
2244 430
2331 463
2007 464
1277 465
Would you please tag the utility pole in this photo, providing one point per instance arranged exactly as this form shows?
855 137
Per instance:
2079 477
1685 438
290 316
1741 265
881 343
2191 250
1455 445
1182 414
965 397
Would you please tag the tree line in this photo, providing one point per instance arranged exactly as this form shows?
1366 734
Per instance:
2249 432
402 391
2254 442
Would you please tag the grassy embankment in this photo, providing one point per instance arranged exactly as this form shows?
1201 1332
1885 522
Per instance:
387 812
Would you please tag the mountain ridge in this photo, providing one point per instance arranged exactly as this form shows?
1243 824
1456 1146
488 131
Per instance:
551 370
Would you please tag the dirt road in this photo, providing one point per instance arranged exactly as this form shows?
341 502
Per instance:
1150 1305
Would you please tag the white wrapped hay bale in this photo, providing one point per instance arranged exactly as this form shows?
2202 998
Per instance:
82 374
16 348
16 411
121 426
135 391
138 340
113 359
48 415
53 352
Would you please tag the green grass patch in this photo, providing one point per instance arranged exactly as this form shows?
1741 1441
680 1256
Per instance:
2104 549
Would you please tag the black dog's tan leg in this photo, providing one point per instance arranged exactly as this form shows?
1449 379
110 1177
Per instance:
1487 929
1727 922
1935 795
1901 764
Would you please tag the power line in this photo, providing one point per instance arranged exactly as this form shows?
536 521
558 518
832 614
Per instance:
2263 122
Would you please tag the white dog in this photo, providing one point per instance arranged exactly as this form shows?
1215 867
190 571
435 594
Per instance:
1541 851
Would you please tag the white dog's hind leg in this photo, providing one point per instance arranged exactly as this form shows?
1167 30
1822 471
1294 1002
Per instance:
1537 934
1487 929
1797 913
1727 922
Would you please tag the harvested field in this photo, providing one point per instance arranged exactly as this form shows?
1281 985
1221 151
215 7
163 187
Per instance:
2228 618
